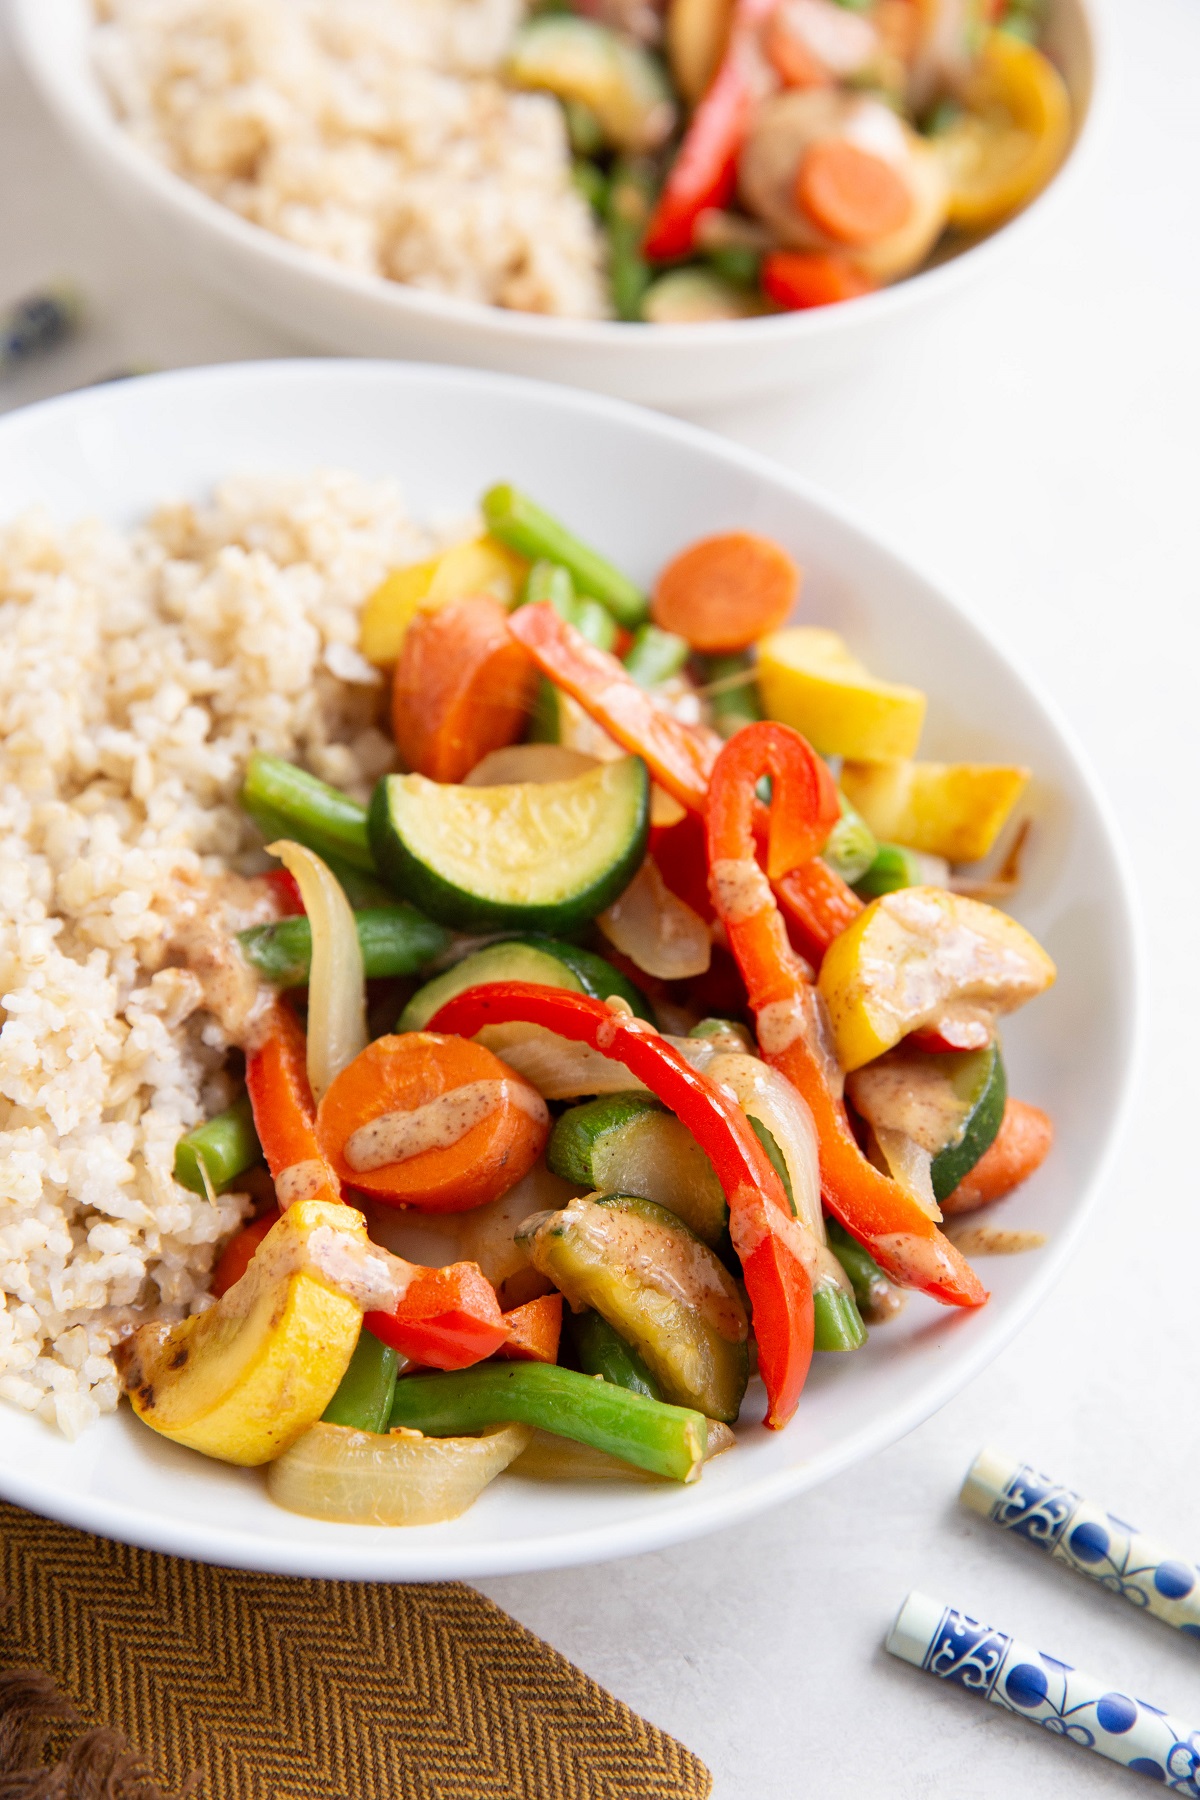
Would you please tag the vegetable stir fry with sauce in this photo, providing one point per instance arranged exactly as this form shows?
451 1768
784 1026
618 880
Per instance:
750 156
642 1033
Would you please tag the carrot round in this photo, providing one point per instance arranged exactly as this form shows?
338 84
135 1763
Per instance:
433 1122
236 1257
463 686
850 193
726 592
1020 1146
798 279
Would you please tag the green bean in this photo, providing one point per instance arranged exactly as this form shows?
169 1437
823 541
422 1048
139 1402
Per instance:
655 655
364 1396
590 182
738 704
285 799
521 524
222 1149
395 940
736 262
851 848
667 1440
631 195
584 130
872 1289
837 1323
894 867
552 582
603 1351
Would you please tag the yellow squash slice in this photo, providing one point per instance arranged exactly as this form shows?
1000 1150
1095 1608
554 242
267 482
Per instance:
482 565
955 810
811 680
1012 137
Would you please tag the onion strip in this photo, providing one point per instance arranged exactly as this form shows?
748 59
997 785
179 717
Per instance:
390 1478
337 996
657 930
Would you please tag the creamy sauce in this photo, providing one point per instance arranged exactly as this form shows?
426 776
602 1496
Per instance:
396 1137
739 889
929 948
902 1093
802 1018
915 1261
662 1259
303 1181
347 1260
201 936
994 1240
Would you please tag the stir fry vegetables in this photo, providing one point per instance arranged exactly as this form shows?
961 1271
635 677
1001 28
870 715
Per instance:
792 153
695 1104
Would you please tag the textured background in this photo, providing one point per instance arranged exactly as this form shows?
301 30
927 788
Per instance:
1036 450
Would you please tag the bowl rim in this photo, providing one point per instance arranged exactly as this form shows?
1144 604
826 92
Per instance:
107 140
353 1559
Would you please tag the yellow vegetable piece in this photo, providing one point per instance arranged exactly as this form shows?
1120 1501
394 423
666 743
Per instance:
811 680
482 565
955 810
912 953
242 1381
1012 137
697 33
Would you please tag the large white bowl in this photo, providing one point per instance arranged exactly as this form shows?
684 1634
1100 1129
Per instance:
313 298
639 486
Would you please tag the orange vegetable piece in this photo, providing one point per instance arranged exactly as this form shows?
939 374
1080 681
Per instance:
402 1074
1020 1146
726 592
534 1330
238 1253
284 1111
463 686
449 1319
798 279
795 64
850 193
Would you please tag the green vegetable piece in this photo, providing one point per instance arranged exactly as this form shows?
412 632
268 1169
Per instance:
287 801
836 1321
631 197
739 1038
766 1138
585 133
523 525
623 86
523 959
491 859
395 940
735 701
603 1351
689 1326
655 655
222 1149
666 1440
851 848
736 263
550 581
894 867
696 296
872 1290
365 1392
978 1078
630 1144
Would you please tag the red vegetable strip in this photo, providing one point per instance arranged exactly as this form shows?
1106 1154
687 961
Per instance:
760 1224
284 1110
877 1210
449 1319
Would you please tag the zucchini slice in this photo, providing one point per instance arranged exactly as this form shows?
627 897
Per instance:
524 959
978 1079
535 856
660 1289
630 1143
602 1351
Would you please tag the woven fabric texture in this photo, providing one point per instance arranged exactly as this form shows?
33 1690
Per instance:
260 1687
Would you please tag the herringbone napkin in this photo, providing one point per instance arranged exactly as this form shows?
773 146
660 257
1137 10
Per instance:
124 1669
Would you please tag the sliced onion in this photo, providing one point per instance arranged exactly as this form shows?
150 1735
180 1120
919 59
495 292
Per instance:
764 1094
392 1478
657 930
908 1163
337 995
531 762
551 1458
556 1067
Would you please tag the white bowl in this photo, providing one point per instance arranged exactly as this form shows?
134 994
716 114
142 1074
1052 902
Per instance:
639 486
357 315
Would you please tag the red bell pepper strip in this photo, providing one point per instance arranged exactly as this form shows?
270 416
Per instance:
286 891
681 759
880 1213
534 1330
763 1232
238 1253
449 1319
704 172
798 279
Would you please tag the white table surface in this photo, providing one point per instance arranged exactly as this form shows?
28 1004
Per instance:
1035 449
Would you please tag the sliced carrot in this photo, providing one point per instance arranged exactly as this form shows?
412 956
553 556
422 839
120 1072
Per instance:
236 1257
449 1319
854 195
795 64
1020 1146
463 686
484 1125
726 592
534 1330
798 279
284 1111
